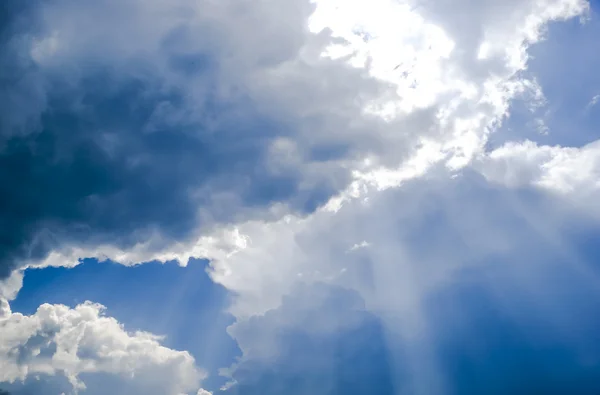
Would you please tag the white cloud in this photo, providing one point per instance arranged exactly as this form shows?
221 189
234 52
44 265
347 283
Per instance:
82 343
478 102
424 238
5 311
569 171
593 102
473 98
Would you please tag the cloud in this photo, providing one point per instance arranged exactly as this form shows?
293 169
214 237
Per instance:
593 102
328 343
145 136
183 116
78 349
296 132
443 224
570 171
448 261
323 339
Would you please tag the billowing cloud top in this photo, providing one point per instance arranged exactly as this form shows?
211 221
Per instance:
335 161
66 344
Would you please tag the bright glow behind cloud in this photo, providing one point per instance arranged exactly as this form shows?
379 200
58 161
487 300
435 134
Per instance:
299 149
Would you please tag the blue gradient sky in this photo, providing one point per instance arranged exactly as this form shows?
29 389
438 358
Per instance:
152 297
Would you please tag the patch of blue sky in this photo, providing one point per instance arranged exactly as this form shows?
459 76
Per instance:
181 303
564 65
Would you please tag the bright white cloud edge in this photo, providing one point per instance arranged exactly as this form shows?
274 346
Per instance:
74 342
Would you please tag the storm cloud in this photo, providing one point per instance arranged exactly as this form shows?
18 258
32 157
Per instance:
103 148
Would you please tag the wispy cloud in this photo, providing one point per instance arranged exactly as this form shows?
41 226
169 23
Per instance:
593 102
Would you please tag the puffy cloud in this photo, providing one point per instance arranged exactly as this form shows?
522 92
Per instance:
68 350
151 135
4 309
444 224
446 262
185 115
569 171
327 343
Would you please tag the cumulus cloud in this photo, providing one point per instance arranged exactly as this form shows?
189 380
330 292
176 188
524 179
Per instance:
325 336
186 115
458 243
145 128
275 138
569 171
485 91
70 350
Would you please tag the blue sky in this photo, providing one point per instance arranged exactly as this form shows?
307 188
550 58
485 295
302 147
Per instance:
561 65
154 297
299 197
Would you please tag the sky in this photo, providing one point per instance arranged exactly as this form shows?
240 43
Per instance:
300 197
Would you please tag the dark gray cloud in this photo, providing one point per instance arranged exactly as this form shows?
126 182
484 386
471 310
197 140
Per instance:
109 150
